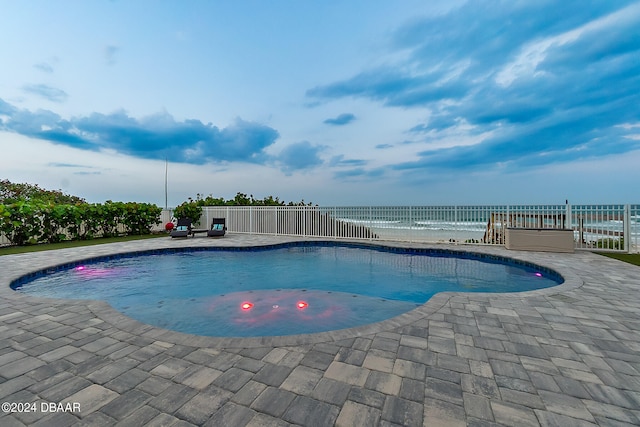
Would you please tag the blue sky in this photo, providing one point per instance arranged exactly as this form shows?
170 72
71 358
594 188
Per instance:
335 102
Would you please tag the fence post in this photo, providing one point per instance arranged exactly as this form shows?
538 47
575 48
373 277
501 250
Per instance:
626 233
455 222
504 225
275 214
411 229
568 222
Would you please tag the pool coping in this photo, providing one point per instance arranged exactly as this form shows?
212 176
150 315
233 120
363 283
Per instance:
41 261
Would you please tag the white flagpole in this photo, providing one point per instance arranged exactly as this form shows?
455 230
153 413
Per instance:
166 177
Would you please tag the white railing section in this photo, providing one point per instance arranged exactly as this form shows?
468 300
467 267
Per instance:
602 227
632 228
595 227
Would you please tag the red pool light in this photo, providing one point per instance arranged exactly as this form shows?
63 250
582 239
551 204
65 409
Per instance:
80 268
246 306
302 305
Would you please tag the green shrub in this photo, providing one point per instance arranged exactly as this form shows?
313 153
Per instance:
138 218
57 221
106 217
190 210
38 221
20 223
242 199
11 192
29 214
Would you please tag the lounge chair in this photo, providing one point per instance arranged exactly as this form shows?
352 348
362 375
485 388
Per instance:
218 228
183 229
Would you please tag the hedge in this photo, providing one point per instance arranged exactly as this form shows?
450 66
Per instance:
40 221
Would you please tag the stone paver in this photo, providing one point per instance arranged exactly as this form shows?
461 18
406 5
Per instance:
568 355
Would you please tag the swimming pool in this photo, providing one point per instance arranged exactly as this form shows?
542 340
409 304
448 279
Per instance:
294 288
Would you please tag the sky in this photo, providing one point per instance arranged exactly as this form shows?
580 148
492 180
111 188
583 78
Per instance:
339 103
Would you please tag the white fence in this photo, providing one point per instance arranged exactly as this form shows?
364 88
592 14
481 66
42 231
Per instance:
596 227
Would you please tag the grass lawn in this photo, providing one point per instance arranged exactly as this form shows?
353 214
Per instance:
630 258
8 250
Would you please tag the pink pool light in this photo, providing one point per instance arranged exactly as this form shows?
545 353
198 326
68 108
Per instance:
90 272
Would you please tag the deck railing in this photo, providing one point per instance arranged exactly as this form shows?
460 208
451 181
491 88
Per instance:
595 227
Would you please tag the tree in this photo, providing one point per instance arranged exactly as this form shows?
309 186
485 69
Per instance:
240 199
12 192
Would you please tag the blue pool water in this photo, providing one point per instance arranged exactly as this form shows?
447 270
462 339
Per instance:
280 291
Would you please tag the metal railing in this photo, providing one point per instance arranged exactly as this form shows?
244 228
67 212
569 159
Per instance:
632 228
595 227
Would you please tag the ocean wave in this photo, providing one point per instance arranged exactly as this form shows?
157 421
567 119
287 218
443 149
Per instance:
451 225
431 229
366 221
595 228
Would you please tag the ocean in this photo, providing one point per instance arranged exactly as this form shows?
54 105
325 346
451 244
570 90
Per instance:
479 224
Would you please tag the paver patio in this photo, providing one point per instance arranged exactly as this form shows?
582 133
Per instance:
565 356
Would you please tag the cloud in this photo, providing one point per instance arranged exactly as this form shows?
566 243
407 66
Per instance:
301 155
45 67
341 161
85 173
383 146
359 173
153 137
66 165
110 52
6 108
50 93
541 82
341 120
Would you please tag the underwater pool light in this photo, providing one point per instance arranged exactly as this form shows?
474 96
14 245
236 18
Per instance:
302 305
246 306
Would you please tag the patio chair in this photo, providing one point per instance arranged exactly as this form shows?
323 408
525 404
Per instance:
183 229
218 227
